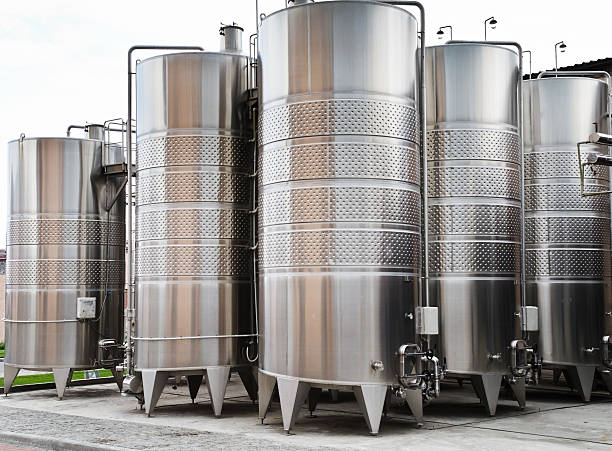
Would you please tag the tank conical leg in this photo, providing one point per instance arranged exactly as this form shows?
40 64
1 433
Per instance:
371 400
61 377
606 375
387 404
69 378
334 394
581 380
265 390
249 380
518 388
194 381
216 381
292 394
313 399
153 383
118 375
10 373
414 398
487 388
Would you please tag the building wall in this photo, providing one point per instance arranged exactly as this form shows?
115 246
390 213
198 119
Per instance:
1 307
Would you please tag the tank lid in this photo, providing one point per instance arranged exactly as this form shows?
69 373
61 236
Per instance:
231 38
299 2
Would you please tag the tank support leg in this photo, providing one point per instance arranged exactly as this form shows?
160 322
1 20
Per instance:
69 378
581 379
387 404
194 381
606 375
487 387
266 386
153 383
313 399
216 381
334 394
118 375
249 380
557 375
371 400
61 377
292 394
518 388
10 373
414 398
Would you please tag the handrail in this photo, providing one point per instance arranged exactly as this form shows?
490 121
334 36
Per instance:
581 73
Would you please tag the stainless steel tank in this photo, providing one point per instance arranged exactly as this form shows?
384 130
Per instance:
567 236
474 189
339 200
193 283
65 258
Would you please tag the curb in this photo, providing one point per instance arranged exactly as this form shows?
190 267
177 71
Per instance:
53 443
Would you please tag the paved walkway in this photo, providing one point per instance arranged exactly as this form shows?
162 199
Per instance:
98 417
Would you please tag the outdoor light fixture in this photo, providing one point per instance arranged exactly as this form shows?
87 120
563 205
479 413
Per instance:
440 32
490 22
559 45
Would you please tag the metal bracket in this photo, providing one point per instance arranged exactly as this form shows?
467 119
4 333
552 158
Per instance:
110 353
582 165
606 351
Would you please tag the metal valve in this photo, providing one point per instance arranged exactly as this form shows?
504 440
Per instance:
377 365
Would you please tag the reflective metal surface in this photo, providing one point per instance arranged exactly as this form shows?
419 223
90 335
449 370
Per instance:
193 283
475 204
339 210
567 236
61 244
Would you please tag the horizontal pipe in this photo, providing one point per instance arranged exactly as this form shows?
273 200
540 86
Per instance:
198 337
70 127
600 138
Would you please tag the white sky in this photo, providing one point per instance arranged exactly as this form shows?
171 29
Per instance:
64 62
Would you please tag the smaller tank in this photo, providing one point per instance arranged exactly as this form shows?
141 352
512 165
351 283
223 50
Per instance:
568 273
65 259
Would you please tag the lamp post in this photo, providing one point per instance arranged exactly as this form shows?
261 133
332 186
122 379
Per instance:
490 21
559 45
440 32
528 51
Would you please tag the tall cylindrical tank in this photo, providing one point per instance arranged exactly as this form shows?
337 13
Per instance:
194 311
567 236
474 189
339 205
65 252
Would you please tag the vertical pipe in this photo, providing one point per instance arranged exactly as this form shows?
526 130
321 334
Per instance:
424 292
128 219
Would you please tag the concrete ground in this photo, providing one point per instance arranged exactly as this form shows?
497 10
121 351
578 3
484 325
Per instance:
98 417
